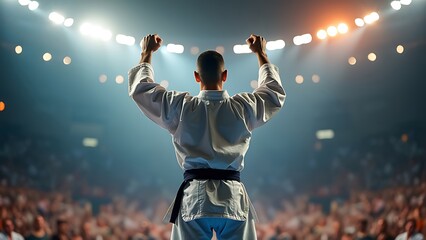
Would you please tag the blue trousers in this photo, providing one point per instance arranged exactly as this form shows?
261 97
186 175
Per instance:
202 229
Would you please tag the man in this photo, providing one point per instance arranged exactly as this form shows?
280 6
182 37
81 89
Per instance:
362 233
382 230
9 234
39 231
211 134
62 229
410 232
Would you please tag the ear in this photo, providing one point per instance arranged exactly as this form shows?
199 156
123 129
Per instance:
224 75
197 77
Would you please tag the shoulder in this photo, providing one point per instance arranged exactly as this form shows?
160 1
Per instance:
17 236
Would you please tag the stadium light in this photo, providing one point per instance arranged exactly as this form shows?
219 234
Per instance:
275 45
371 18
352 60
405 2
322 34
302 39
325 134
299 79
33 5
18 49
47 57
125 40
400 49
90 142
56 18
119 79
67 60
2 106
332 31
372 57
194 50
359 22
68 22
240 49
95 31
342 28
396 5
24 2
175 48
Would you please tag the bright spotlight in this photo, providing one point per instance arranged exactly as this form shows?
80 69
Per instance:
342 28
47 57
352 60
94 31
18 49
33 5
372 17
299 79
322 34
24 2
125 40
396 5
2 106
175 48
332 31
67 60
240 49
405 2
68 22
275 45
302 39
372 57
359 22
400 49
56 18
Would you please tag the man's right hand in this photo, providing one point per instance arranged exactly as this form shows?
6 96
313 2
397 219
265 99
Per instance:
257 44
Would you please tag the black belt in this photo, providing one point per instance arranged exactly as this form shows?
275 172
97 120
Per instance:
201 174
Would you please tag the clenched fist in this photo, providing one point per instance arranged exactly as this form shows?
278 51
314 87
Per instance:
151 43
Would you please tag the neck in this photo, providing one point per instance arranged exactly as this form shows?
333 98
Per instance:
212 87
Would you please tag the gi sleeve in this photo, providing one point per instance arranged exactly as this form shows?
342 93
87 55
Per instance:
161 106
267 99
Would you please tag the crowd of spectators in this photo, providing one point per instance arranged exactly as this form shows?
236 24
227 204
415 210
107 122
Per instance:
376 190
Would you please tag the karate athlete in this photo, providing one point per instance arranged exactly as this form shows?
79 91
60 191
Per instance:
211 134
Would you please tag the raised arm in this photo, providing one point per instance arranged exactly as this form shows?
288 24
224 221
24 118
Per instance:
257 45
158 104
149 45
268 98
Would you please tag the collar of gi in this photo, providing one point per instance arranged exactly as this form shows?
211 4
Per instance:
213 94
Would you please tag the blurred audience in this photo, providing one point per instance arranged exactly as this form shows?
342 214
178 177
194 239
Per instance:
374 190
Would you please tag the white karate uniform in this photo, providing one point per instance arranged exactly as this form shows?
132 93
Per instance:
211 130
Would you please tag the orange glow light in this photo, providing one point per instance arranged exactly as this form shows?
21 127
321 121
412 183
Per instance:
2 106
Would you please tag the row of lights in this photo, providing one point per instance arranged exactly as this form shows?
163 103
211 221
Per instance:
299 78
99 32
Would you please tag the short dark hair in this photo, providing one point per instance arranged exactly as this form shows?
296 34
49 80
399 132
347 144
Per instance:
210 66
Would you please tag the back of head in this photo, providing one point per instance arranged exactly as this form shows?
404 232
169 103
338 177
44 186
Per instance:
210 66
